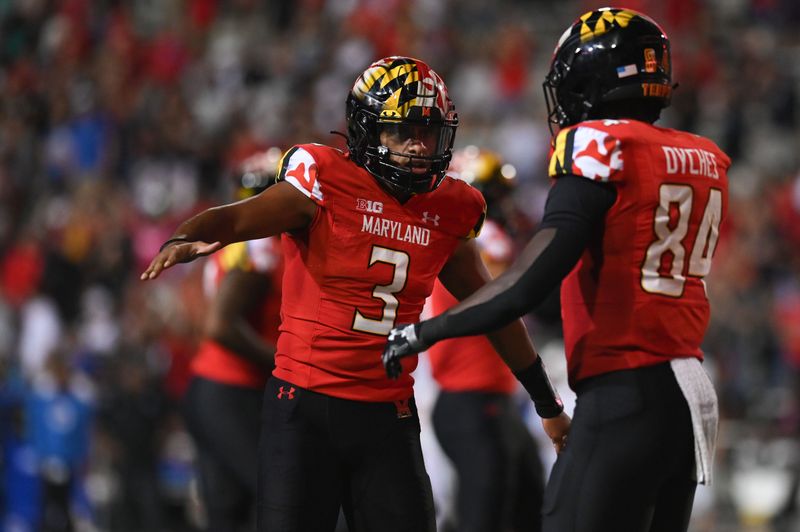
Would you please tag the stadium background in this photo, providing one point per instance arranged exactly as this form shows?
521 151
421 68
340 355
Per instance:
119 119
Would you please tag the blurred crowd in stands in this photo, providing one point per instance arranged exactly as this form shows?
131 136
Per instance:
118 119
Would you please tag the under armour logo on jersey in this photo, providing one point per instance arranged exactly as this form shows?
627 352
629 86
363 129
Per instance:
283 392
435 218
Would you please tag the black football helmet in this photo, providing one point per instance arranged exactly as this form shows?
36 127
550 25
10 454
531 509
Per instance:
607 55
402 96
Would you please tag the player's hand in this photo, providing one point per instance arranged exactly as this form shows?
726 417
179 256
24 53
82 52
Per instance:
175 253
403 341
557 429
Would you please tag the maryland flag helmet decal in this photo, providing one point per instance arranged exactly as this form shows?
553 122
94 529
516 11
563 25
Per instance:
397 88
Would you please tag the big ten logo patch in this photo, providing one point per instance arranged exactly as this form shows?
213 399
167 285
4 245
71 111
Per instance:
364 205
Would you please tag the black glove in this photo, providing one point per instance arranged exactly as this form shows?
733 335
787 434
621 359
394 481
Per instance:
403 341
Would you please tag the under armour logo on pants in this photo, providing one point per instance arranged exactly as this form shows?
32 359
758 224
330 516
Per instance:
283 392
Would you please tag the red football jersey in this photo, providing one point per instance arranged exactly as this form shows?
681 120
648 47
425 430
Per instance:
214 361
470 364
638 298
365 264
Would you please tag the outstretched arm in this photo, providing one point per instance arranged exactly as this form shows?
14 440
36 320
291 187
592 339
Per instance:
278 209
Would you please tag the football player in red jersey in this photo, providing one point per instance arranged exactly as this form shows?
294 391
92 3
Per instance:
630 226
233 362
500 478
364 233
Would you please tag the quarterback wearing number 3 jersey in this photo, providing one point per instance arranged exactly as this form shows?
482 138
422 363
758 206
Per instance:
629 231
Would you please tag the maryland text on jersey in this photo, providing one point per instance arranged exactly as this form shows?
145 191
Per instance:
396 230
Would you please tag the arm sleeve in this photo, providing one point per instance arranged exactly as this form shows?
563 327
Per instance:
575 211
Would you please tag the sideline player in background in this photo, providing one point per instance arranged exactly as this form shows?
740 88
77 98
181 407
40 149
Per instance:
233 362
630 226
500 478
365 234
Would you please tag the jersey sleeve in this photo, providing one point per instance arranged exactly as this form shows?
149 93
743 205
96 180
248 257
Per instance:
588 152
299 168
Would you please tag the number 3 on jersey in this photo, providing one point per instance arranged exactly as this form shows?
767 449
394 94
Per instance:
386 293
671 240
